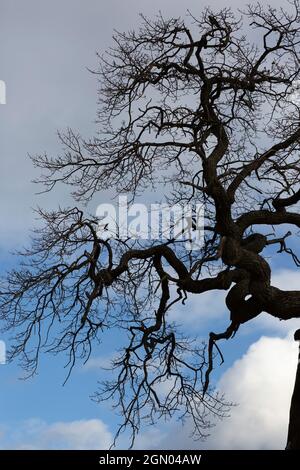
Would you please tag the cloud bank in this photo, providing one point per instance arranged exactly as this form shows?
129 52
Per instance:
37 434
261 384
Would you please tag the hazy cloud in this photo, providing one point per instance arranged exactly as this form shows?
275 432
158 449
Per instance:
37 434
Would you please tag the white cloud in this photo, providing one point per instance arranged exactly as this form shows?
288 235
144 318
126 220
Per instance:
98 362
199 308
261 383
287 279
37 434
150 439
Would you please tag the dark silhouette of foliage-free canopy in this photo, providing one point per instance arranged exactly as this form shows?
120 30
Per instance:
208 107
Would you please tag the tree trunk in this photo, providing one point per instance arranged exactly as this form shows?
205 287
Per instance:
293 441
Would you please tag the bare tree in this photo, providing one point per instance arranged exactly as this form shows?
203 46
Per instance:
210 108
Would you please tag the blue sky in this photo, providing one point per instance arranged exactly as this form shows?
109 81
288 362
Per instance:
45 49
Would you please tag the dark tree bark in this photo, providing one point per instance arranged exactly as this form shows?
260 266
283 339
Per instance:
293 441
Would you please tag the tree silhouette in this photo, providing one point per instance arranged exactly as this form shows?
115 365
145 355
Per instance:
209 107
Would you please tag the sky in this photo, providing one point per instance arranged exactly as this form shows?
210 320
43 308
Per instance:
45 51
